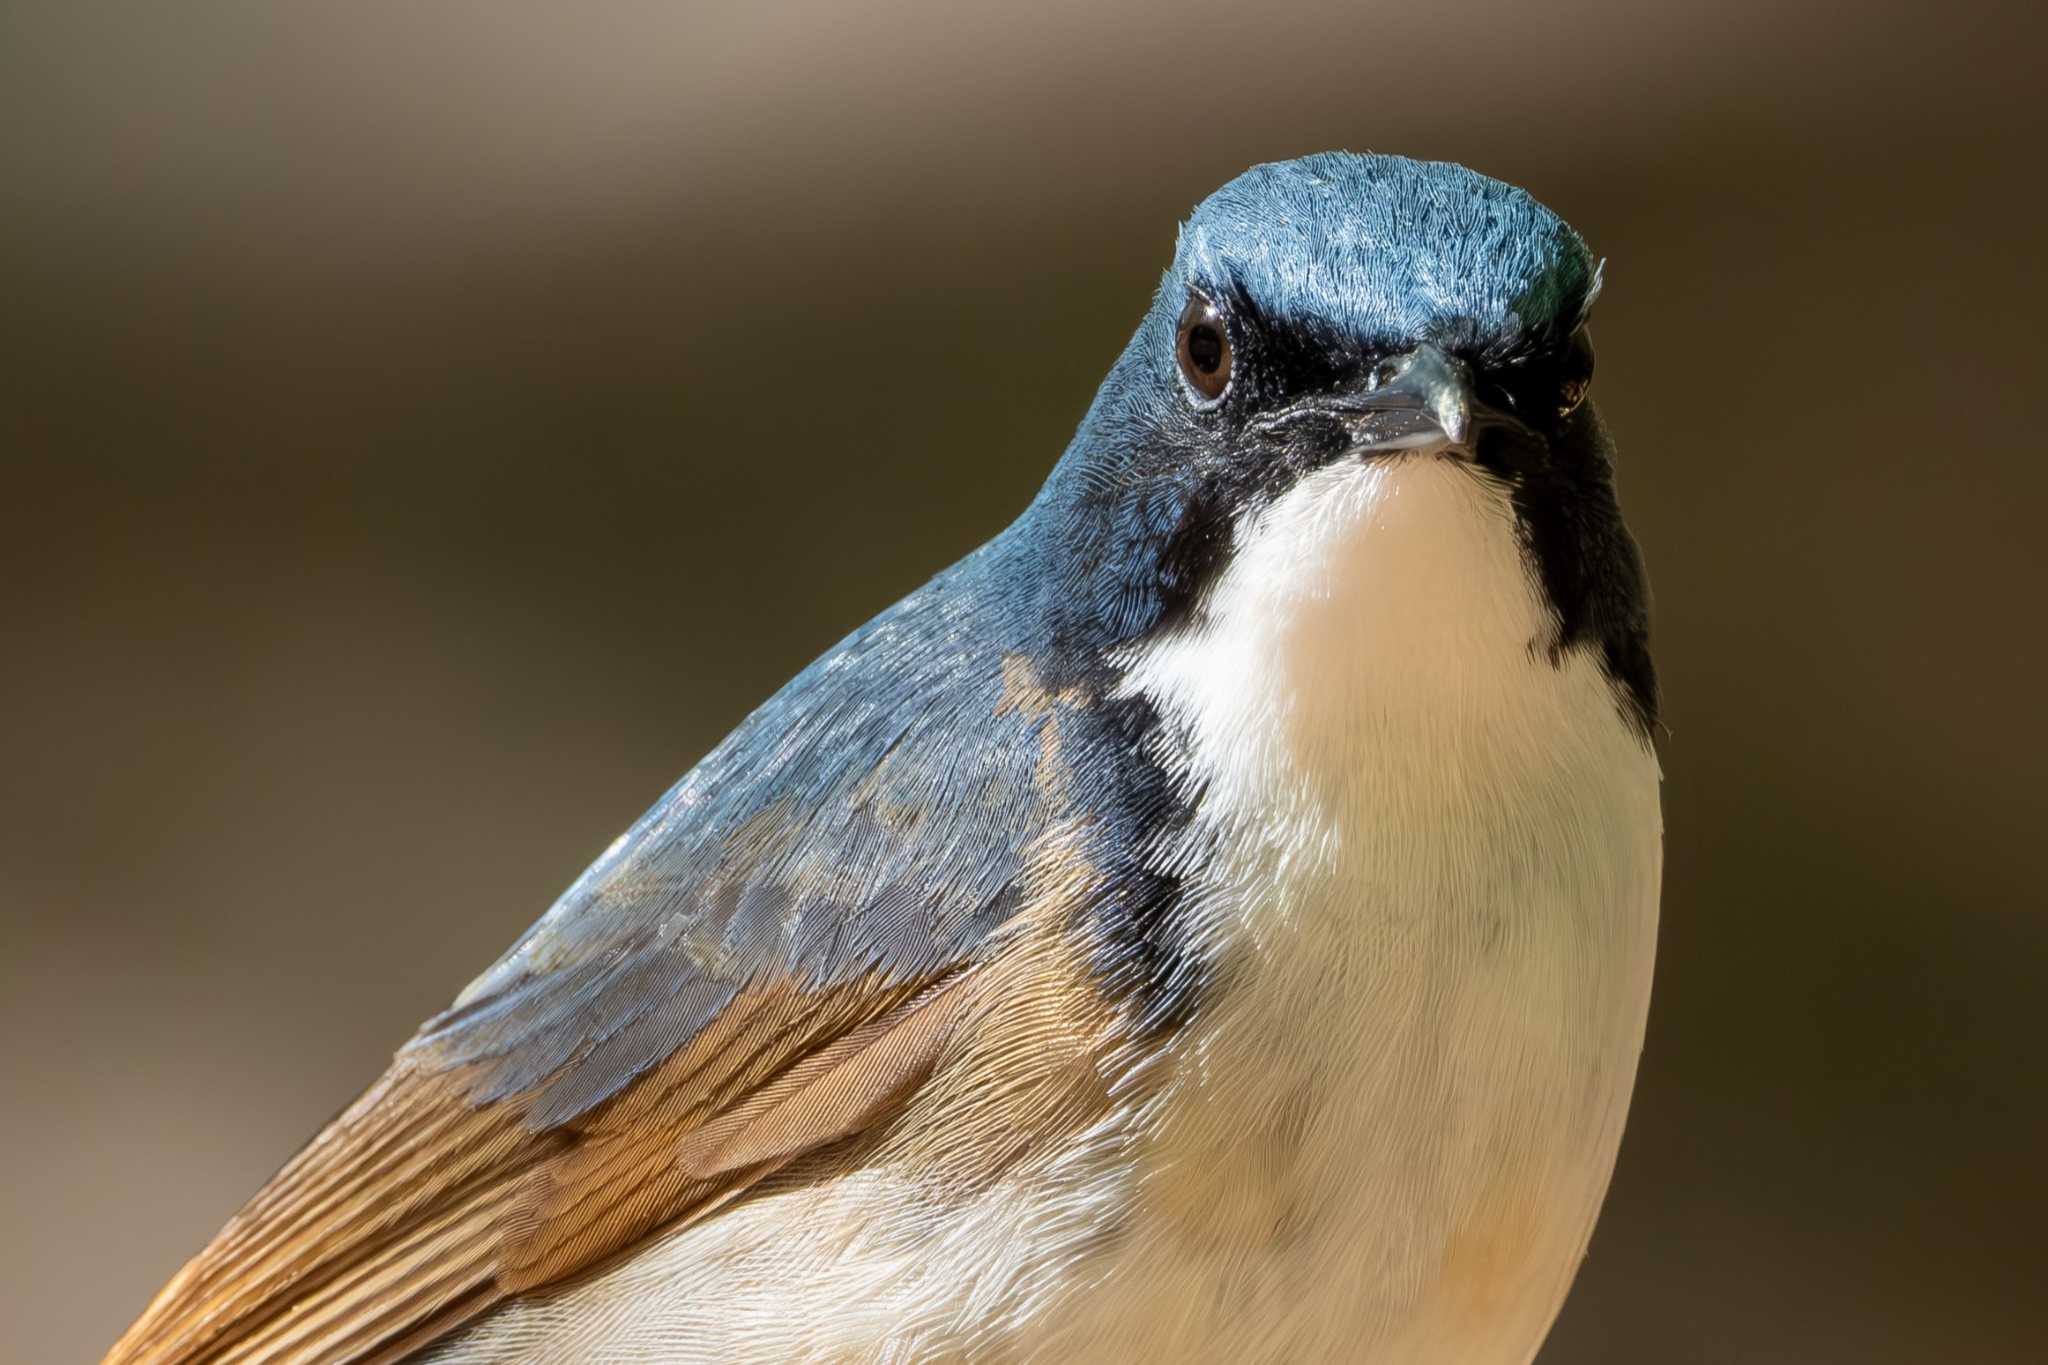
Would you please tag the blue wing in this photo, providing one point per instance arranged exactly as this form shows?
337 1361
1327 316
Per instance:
867 821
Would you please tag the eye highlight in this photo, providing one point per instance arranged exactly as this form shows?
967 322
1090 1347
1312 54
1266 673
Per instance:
1203 348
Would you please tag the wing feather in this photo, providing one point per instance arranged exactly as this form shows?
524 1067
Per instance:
771 961
417 1206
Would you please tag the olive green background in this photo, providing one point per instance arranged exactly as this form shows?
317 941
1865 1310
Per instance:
428 427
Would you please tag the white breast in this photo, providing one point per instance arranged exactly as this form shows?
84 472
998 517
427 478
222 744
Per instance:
1437 852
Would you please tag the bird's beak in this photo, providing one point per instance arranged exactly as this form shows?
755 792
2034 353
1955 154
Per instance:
1422 399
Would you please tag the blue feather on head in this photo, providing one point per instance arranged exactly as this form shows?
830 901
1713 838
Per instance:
1388 251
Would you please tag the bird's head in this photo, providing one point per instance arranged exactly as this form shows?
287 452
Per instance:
1342 307
1357 304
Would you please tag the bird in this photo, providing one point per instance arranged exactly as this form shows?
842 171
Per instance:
1211 921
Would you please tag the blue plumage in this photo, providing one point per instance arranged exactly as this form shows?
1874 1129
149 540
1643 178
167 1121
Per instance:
1390 251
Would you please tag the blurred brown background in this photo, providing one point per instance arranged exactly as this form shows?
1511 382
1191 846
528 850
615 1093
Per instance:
427 428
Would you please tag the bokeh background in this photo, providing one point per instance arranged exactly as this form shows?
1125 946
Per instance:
428 427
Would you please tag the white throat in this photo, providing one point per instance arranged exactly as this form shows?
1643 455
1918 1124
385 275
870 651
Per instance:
1430 854
1373 598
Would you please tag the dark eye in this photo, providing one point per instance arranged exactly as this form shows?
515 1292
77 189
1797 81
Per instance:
1203 348
1576 374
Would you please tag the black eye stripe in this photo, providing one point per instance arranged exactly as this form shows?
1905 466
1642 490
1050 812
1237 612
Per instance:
1539 379
1545 386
